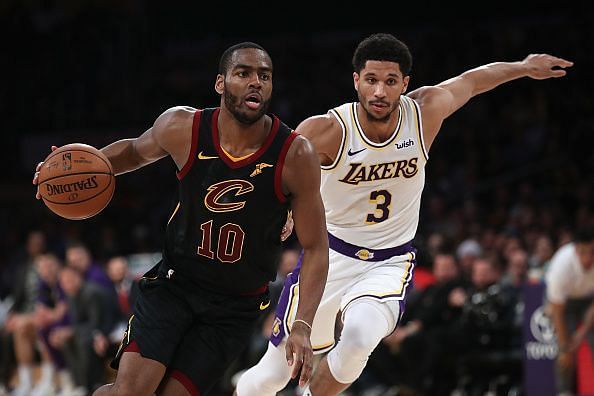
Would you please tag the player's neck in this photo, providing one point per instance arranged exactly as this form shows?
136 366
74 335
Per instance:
239 139
378 131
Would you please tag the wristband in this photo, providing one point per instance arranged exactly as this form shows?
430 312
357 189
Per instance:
302 321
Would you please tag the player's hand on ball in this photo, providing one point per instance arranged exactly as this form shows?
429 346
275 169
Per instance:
36 175
75 181
299 352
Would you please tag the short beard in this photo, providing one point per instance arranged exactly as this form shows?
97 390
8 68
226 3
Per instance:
232 104
371 117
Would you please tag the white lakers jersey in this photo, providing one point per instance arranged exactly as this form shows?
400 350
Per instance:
372 191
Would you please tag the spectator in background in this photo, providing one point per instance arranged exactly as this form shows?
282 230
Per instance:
570 294
489 336
117 271
51 312
540 258
89 318
467 252
106 345
20 320
78 256
516 272
427 323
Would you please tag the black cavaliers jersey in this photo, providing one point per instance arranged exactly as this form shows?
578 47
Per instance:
224 234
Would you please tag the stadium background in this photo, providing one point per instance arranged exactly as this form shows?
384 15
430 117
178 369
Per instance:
516 161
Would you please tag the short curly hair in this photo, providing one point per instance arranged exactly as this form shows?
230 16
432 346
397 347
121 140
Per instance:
382 47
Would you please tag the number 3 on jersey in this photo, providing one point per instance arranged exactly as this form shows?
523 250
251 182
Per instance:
382 199
229 243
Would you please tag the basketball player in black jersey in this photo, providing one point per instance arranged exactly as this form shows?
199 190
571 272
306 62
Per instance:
240 170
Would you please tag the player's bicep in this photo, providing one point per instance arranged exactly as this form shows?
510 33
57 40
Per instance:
169 134
325 134
147 147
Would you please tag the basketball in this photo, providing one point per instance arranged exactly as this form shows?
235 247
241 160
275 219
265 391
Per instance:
76 181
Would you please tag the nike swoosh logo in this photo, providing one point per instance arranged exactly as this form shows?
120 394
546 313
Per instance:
205 157
264 306
351 153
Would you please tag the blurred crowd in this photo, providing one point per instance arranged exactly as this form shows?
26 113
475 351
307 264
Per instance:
508 182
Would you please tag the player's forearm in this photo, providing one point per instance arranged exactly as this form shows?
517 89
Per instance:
312 280
123 156
557 315
588 321
487 77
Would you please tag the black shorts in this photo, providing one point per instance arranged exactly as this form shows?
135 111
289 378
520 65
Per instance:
191 331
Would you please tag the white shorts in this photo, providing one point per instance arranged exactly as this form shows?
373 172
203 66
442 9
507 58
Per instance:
349 279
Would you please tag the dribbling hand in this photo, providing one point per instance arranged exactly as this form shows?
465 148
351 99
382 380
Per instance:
36 174
299 352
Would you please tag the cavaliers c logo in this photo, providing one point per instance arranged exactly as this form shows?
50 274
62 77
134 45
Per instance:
216 200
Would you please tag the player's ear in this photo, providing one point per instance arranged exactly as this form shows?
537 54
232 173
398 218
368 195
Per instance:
220 84
405 82
356 81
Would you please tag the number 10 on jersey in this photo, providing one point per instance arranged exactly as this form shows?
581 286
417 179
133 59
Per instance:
229 244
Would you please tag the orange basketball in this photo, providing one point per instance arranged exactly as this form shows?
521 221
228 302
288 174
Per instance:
76 181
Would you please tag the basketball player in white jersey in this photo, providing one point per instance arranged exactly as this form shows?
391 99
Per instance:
373 155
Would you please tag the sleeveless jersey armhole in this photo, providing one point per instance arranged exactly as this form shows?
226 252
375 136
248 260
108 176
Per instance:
343 140
419 122
192 156
280 163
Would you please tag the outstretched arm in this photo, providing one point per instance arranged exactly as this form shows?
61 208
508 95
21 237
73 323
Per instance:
440 101
301 178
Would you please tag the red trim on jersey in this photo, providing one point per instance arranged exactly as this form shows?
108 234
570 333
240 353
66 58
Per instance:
256 292
238 164
193 147
132 347
186 382
278 172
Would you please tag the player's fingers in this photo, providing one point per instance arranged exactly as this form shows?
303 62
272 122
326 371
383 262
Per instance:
285 234
35 177
306 368
559 73
54 148
298 362
289 353
563 62
38 195
38 167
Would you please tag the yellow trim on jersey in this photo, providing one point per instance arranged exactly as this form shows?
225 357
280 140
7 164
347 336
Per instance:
291 307
174 212
289 319
235 159
365 140
130 328
321 348
343 142
420 130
